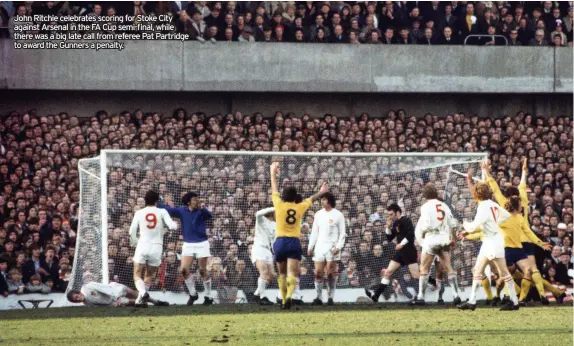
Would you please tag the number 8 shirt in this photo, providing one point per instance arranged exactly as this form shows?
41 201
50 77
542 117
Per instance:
288 217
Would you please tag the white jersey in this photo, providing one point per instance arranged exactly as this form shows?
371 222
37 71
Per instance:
328 228
436 222
151 222
488 216
264 229
98 294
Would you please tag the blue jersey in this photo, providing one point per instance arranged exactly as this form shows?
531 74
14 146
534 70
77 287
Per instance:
192 222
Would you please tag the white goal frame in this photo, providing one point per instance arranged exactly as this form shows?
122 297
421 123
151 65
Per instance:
104 171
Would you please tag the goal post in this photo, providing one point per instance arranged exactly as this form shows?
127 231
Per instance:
235 184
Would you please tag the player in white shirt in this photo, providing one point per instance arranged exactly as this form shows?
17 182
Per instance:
151 222
325 244
261 254
488 217
112 294
435 233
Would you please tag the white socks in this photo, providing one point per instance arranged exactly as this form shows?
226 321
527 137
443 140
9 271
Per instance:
453 280
141 287
191 285
331 285
319 288
423 281
207 286
476 283
261 286
385 281
508 281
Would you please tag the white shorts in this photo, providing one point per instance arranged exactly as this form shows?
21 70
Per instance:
492 248
119 290
261 253
149 254
196 250
324 252
436 245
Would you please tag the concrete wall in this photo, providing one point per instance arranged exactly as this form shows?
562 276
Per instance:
259 67
86 103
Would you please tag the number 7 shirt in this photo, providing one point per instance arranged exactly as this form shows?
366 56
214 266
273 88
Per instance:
288 216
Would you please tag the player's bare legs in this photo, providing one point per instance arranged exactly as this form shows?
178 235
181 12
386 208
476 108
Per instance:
385 281
332 276
265 278
439 281
446 265
426 262
500 264
543 285
186 263
319 278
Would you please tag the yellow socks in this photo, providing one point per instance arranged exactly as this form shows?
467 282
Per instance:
487 289
283 288
538 282
548 286
526 283
291 284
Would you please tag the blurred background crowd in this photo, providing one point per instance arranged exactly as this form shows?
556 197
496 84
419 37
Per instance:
514 23
39 186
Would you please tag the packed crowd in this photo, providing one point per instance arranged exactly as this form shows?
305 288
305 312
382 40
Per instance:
546 23
40 187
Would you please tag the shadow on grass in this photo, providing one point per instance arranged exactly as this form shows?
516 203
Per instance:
199 310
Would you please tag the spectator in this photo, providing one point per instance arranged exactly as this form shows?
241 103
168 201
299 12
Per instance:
447 38
538 39
15 284
246 35
196 28
37 286
562 270
350 276
3 276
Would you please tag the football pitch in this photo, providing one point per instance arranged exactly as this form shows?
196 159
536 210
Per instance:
344 324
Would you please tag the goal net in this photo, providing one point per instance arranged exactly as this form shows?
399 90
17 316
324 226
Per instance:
235 185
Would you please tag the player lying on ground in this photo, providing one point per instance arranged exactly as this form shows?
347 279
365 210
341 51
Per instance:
435 233
488 216
113 294
193 217
402 228
287 246
151 222
261 252
528 239
326 242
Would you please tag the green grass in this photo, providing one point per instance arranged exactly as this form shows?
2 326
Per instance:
348 325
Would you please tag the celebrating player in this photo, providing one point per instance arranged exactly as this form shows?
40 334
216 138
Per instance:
287 246
261 252
488 216
113 294
435 232
528 239
195 244
402 228
326 242
151 222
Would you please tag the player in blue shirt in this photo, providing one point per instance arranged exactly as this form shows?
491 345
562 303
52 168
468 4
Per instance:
195 244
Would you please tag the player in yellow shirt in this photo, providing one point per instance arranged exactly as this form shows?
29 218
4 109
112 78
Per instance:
528 239
287 246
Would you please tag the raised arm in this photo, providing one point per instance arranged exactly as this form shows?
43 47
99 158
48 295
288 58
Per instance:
498 196
480 218
172 225
274 169
175 212
260 215
321 192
